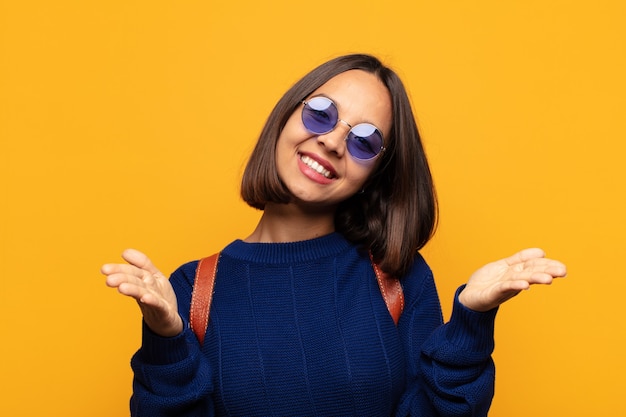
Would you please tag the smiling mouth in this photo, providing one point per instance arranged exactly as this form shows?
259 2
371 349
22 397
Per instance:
314 165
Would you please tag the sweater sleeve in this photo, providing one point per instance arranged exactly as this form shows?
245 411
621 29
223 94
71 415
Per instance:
171 375
450 370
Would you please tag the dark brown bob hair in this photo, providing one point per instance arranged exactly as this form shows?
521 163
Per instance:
396 215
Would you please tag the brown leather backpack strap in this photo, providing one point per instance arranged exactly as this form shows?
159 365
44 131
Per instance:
392 292
202 295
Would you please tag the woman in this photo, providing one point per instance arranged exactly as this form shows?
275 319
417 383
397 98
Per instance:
298 325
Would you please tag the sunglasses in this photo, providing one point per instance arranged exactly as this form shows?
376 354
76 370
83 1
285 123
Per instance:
320 116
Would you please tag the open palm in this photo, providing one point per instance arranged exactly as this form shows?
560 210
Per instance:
141 280
499 281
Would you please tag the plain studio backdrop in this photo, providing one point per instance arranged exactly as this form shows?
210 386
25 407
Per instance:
128 123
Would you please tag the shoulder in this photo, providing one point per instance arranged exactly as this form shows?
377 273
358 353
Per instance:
419 282
184 275
418 273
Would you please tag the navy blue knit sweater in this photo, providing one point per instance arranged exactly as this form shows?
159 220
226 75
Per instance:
301 329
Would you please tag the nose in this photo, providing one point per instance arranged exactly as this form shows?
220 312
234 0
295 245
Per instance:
335 140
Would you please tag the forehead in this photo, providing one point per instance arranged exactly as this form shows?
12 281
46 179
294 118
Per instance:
360 97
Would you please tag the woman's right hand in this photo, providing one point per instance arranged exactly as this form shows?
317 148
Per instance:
141 280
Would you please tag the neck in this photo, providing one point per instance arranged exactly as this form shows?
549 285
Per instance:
292 223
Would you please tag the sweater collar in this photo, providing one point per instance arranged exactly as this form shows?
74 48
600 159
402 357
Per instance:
288 252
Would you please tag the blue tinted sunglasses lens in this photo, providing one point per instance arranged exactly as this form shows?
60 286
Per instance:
319 115
364 141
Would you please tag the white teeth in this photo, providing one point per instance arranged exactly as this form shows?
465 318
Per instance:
314 165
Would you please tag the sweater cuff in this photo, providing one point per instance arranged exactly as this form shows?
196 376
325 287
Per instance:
471 330
159 350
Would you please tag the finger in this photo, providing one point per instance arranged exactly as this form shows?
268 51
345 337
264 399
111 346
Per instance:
110 269
541 276
141 294
140 260
514 286
117 279
557 269
547 275
151 300
543 265
554 269
524 256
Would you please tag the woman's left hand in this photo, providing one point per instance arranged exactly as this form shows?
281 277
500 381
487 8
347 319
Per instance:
499 281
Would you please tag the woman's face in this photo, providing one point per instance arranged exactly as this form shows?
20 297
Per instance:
318 169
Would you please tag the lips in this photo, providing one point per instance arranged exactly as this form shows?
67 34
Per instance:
314 165
318 166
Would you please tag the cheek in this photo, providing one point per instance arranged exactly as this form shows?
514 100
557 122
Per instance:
360 171
292 133
294 125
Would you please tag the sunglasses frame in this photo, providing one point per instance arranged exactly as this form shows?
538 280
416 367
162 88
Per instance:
332 103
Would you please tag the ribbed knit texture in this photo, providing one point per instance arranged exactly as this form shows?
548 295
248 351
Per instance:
301 329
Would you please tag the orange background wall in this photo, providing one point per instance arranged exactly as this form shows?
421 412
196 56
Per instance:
127 123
